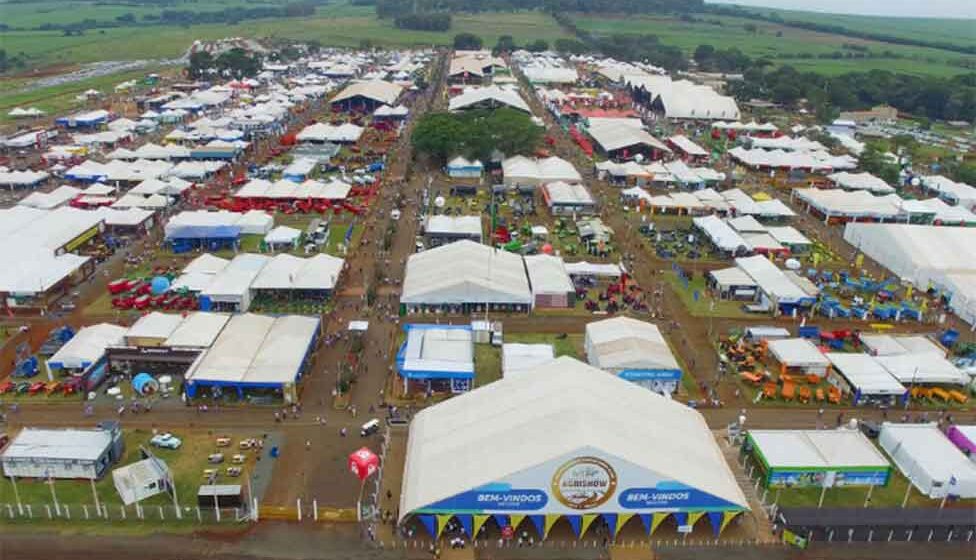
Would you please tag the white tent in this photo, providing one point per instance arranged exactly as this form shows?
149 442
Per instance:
800 353
521 358
288 272
283 235
863 375
566 414
491 96
87 346
527 171
142 479
929 460
465 272
256 350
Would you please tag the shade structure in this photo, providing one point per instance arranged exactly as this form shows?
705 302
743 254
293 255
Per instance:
574 453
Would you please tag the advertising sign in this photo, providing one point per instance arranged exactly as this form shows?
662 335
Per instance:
583 482
494 497
808 479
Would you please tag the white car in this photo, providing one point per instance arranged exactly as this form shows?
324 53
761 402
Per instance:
166 441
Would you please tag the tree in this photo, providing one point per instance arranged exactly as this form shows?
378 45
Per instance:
873 161
200 62
703 53
538 45
467 42
475 134
505 44
437 135
238 63
569 46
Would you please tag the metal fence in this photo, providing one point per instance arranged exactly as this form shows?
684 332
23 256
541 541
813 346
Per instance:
119 513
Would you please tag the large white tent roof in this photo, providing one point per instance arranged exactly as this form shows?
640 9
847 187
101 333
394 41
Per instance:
465 272
377 90
921 254
288 272
798 352
547 275
616 133
865 374
624 343
493 96
256 349
198 330
927 457
87 346
532 171
817 448
521 358
561 407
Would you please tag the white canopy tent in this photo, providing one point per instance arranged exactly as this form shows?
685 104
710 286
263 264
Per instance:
560 411
801 354
929 460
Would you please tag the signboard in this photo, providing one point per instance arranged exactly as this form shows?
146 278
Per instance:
494 497
81 239
789 537
685 528
808 479
583 482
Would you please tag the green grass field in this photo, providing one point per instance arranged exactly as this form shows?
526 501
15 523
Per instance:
61 98
187 465
957 31
338 25
765 42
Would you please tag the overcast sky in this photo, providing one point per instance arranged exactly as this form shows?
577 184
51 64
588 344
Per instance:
897 8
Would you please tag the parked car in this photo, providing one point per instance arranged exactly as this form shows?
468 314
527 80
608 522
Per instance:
166 441
869 428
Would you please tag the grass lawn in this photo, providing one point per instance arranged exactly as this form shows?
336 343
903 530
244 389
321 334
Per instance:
101 306
186 463
487 364
339 25
703 307
569 345
61 98
775 41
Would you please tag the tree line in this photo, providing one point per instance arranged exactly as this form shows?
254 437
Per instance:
951 98
228 16
736 11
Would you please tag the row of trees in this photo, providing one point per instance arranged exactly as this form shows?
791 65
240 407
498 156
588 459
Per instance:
8 63
433 21
237 63
934 98
395 8
186 17
475 134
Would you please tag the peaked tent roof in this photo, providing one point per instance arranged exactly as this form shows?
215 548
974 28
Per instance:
557 408
465 272
377 90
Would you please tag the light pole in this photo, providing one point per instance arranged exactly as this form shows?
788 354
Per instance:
20 507
54 495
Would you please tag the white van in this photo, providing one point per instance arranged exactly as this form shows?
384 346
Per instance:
370 428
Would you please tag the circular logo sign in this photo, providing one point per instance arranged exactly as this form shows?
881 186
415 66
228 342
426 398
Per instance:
584 483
